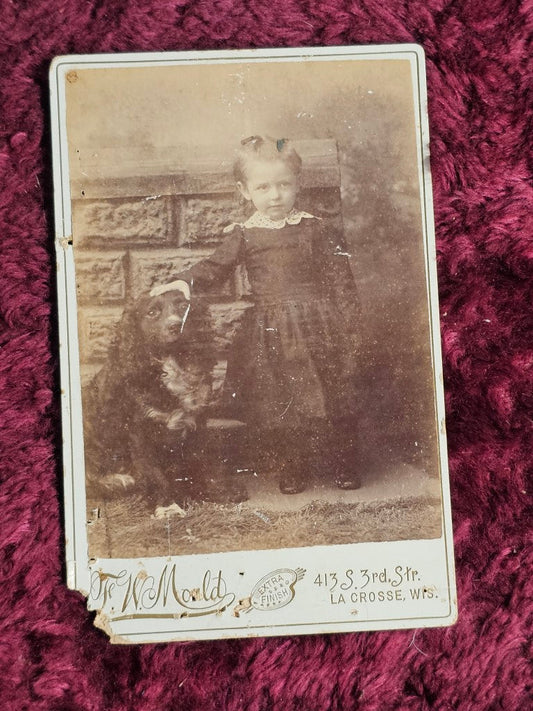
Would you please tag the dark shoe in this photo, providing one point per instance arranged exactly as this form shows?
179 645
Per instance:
291 485
348 482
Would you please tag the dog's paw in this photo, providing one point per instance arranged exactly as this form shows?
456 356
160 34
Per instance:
179 420
167 511
175 420
152 414
118 482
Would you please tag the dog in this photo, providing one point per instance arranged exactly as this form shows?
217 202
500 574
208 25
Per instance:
145 412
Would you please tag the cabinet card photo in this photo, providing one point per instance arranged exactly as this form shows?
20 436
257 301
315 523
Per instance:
253 414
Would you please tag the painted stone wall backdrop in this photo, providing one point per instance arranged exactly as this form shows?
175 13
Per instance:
131 232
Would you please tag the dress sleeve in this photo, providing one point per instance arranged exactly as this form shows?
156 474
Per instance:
337 275
215 269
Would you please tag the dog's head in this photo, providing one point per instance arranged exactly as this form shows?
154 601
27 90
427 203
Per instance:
162 319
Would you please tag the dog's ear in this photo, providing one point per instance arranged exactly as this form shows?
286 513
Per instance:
199 332
105 398
124 350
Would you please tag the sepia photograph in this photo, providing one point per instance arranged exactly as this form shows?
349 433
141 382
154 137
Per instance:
254 328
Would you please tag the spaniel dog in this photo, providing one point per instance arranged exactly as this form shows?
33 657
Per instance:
145 412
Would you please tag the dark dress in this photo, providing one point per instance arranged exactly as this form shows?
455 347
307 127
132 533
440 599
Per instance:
292 363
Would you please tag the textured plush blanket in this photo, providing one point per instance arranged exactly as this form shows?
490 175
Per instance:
51 657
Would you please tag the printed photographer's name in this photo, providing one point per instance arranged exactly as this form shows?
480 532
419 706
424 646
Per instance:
137 592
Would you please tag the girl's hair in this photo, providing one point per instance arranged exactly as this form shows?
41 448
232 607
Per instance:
264 148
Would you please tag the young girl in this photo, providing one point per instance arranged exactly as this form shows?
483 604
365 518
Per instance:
291 368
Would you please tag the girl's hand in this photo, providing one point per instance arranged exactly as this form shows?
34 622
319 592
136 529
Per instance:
178 285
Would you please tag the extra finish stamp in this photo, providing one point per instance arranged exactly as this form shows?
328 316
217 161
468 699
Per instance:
253 415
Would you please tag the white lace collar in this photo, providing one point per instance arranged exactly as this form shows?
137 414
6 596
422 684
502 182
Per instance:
258 220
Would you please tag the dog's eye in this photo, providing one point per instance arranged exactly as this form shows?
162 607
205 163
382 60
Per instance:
153 313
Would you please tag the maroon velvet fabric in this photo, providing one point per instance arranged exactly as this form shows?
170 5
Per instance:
51 657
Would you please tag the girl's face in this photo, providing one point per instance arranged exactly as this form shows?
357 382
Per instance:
271 186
